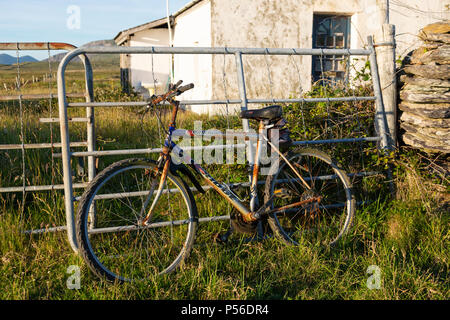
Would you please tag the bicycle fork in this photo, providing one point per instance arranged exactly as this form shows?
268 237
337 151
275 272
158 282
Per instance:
165 160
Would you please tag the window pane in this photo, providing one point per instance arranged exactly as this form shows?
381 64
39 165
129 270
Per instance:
339 41
320 40
330 42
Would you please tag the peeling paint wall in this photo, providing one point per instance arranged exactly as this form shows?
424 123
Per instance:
289 24
266 23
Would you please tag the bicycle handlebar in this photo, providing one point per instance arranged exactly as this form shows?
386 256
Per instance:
185 88
174 90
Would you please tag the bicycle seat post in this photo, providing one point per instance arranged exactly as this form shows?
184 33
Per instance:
255 168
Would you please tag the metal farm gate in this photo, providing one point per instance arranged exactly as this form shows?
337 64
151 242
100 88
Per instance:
67 154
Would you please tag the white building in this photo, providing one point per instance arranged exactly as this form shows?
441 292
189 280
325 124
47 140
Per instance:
267 23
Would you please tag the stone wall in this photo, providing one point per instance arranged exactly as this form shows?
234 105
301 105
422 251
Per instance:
425 95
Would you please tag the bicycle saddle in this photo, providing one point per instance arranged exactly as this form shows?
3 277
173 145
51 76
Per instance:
267 113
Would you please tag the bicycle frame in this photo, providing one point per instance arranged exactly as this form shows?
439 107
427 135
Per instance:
248 214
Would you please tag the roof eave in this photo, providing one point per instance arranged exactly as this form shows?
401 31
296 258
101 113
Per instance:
187 7
122 36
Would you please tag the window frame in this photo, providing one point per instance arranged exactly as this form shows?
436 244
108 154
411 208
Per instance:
330 63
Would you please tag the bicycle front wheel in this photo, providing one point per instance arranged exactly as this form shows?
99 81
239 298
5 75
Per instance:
328 204
116 245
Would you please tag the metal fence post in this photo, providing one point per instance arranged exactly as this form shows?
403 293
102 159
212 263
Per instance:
388 81
243 97
65 140
91 119
65 151
380 115
245 125
90 127
386 143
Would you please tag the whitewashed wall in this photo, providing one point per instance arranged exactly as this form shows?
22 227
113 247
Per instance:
193 29
141 64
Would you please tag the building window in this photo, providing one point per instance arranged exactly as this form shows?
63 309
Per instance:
330 32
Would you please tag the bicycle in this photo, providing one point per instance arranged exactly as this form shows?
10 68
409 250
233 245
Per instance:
138 217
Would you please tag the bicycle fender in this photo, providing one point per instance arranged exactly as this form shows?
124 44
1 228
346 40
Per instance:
175 168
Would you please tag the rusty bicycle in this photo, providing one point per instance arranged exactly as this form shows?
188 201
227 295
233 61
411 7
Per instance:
138 217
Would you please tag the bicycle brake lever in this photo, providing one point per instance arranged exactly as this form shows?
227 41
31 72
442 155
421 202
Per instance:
149 105
174 86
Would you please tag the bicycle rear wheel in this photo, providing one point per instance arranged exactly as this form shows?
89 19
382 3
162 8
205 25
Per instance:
321 222
119 247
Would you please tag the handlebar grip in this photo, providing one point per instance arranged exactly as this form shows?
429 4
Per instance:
185 88
174 86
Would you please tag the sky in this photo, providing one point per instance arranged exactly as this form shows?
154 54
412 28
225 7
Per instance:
75 21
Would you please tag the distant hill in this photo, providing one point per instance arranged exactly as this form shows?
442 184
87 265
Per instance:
9 60
95 58
30 64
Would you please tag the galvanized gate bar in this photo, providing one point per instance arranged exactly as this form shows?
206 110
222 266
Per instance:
158 150
154 225
39 96
224 50
236 101
43 188
52 120
39 145
142 151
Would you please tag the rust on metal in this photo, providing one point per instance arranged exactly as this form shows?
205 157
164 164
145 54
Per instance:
296 204
256 165
36 46
161 185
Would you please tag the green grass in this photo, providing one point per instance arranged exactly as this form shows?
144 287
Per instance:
106 73
413 265
407 237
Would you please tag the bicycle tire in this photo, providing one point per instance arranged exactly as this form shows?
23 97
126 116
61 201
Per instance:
106 247
308 222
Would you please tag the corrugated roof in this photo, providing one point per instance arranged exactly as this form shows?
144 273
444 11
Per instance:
121 37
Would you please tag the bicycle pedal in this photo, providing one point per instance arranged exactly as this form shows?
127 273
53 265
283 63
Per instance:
219 238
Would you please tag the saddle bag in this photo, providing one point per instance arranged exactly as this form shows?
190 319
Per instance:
284 135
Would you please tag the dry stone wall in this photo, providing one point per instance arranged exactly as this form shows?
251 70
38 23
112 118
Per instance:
425 95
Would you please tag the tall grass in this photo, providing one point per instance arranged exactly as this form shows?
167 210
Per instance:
407 237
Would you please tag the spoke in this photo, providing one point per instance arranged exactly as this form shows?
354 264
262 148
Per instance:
291 181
